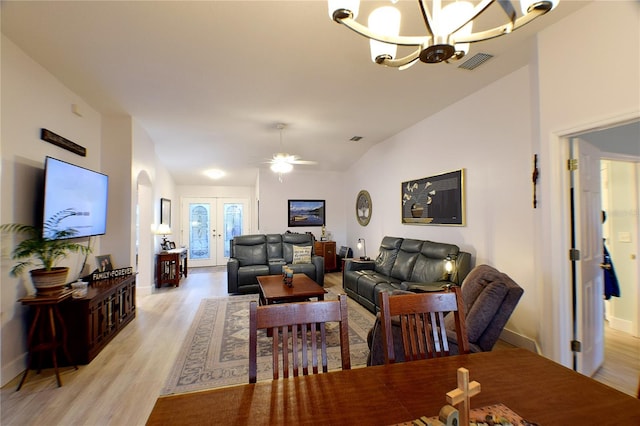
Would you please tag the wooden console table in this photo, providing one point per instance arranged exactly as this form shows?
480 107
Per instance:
98 317
44 325
171 266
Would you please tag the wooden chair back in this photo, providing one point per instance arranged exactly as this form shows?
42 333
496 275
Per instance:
288 322
421 318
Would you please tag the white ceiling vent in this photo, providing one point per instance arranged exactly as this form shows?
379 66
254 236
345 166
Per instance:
475 61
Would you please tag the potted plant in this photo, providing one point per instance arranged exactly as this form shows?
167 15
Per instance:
45 247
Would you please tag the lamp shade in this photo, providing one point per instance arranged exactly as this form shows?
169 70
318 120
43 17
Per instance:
163 229
386 21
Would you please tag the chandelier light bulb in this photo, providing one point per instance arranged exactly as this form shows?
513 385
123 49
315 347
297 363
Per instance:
451 17
385 21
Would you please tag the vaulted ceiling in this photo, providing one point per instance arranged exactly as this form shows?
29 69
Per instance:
210 80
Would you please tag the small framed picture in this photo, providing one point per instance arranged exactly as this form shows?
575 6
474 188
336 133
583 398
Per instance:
172 245
104 263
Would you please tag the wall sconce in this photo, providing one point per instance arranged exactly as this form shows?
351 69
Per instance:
362 246
164 230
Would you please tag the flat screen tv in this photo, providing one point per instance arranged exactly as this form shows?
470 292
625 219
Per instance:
67 186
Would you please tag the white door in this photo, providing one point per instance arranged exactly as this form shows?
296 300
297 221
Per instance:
209 224
588 280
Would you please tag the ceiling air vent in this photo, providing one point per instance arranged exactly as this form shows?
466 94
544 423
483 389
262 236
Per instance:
355 138
475 61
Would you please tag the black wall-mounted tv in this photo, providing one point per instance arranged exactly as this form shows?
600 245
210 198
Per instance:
67 186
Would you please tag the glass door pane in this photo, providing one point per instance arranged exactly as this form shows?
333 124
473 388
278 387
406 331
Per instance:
199 232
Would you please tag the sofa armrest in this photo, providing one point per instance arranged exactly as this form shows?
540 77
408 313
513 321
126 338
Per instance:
318 262
359 265
463 267
233 265
426 287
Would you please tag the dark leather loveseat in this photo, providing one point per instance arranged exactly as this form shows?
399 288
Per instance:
265 254
403 264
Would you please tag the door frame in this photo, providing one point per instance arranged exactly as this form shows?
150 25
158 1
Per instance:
556 326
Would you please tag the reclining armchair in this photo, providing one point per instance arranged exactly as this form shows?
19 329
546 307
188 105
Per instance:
489 296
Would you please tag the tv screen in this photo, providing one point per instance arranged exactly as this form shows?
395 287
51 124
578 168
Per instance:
71 187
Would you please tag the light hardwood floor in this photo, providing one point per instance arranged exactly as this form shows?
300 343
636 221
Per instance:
121 385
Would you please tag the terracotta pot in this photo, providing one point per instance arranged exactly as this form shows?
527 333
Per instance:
49 283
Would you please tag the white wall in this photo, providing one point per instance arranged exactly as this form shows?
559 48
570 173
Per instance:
302 184
32 99
620 230
493 145
579 90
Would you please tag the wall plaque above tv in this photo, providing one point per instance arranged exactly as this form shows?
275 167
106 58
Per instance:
49 136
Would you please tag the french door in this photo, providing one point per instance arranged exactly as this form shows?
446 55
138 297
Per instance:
208 224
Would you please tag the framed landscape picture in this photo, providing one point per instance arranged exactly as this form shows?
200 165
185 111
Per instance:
434 200
306 212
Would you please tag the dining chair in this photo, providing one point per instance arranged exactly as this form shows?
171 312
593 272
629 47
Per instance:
421 319
290 322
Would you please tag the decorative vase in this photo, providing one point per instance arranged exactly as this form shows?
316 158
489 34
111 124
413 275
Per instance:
416 210
49 283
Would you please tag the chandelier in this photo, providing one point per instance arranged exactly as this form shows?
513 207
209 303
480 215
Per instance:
448 28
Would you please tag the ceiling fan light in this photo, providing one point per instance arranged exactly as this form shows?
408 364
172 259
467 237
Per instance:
385 21
351 5
281 167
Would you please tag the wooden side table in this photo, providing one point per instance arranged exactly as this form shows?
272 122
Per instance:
171 266
327 249
45 324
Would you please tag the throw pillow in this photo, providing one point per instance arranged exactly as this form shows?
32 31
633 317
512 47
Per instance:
301 254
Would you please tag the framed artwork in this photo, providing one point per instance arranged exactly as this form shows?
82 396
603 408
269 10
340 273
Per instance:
165 211
306 212
434 200
104 263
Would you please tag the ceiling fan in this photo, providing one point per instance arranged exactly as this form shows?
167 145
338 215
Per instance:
283 162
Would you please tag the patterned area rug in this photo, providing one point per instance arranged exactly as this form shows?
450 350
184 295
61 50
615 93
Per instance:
215 352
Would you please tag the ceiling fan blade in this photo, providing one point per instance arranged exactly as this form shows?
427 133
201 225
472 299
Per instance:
304 162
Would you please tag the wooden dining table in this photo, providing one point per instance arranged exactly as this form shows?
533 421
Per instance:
536 388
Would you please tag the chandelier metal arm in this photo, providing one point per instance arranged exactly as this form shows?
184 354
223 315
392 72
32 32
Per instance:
499 30
401 62
426 16
363 30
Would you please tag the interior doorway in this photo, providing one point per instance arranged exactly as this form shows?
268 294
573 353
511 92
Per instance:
620 150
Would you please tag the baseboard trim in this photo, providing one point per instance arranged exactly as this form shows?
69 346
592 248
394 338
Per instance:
621 325
519 341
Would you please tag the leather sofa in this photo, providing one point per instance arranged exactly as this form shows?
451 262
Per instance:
403 264
489 296
265 254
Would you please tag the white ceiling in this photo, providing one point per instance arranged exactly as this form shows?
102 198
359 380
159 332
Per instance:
209 80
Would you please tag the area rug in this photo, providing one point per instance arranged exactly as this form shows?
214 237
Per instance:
215 352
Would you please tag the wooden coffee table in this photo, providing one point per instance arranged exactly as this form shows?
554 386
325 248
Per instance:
273 289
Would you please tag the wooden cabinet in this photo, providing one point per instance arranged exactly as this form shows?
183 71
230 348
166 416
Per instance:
171 266
327 249
92 321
